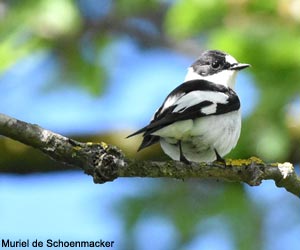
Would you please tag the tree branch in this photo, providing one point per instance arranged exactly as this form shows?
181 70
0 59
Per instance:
106 163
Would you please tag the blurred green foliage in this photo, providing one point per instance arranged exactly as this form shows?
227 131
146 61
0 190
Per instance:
188 206
187 18
51 26
264 33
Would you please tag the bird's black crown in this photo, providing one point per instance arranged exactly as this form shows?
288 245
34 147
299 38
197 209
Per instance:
211 62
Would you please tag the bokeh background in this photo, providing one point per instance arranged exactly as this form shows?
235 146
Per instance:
97 70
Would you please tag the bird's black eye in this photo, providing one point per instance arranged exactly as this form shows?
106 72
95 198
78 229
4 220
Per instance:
215 64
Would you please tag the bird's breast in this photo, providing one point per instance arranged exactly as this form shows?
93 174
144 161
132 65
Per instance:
218 131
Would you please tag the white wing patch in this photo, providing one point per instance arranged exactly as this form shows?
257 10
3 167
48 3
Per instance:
196 97
170 101
211 109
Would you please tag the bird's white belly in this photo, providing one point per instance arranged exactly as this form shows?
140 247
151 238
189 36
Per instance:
201 136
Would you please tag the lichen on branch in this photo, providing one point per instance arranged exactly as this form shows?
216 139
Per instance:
106 162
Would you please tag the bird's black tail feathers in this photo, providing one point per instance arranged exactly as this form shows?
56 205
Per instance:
148 140
137 132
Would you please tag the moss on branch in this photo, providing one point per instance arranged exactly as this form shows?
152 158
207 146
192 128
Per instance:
106 162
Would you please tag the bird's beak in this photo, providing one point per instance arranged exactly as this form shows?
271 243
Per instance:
239 66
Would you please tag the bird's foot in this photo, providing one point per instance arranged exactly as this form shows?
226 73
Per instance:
219 161
182 157
184 160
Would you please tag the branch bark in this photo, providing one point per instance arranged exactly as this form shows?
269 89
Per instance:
106 162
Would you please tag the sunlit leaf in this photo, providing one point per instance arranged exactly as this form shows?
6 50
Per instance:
55 18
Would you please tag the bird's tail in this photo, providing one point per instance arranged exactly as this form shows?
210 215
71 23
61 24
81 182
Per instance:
137 132
148 139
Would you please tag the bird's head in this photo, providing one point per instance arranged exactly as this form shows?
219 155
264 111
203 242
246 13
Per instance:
217 67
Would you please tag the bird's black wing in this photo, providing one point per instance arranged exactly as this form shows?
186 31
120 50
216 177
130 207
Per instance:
190 100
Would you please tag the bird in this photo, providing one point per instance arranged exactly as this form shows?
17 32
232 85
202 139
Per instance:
200 120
